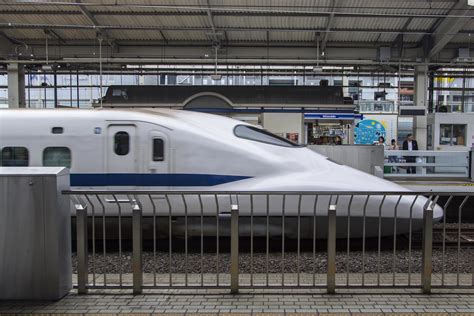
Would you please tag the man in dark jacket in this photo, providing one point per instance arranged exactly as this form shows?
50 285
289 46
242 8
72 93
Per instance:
410 144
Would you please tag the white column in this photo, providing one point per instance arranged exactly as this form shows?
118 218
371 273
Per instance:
16 86
421 99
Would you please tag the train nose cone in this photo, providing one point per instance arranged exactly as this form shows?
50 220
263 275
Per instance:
438 213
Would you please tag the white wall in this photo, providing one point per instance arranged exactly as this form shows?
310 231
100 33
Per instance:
283 123
452 118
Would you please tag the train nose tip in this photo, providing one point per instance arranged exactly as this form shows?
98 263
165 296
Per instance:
438 213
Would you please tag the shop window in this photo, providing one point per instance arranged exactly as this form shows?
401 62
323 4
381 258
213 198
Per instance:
121 143
14 157
452 134
158 149
57 157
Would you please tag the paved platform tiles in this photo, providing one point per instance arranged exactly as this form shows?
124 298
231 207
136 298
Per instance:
276 279
280 302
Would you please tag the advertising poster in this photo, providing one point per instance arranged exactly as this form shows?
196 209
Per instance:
368 130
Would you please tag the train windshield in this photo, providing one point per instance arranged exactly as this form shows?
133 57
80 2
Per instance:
261 135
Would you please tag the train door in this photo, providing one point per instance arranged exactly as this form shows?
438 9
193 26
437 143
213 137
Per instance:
159 157
122 149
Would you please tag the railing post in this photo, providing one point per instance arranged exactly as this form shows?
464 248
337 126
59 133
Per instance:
471 164
137 248
82 251
427 248
331 261
234 249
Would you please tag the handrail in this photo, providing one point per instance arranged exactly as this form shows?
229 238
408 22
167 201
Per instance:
212 192
427 164
90 207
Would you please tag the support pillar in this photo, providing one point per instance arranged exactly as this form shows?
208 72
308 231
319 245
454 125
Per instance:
16 86
421 99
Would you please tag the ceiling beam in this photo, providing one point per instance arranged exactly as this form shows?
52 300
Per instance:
202 11
328 25
215 36
102 28
52 34
102 32
398 41
449 27
163 36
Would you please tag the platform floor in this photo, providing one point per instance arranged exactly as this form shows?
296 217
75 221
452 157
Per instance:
288 302
437 185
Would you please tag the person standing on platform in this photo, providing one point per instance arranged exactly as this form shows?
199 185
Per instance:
393 159
410 144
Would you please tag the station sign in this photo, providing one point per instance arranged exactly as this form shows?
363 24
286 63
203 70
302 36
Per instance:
333 116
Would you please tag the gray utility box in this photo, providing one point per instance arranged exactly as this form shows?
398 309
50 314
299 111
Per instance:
35 233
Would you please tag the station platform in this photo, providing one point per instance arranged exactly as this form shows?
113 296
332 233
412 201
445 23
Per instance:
437 185
253 302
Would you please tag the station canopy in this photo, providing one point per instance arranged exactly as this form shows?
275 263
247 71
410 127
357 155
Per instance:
236 31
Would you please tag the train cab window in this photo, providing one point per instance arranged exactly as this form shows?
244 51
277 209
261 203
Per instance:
14 157
158 149
261 135
57 130
57 157
121 143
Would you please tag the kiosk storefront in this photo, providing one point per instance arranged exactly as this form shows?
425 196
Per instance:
330 128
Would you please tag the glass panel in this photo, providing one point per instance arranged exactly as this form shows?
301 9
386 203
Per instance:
121 143
445 132
158 149
57 157
14 157
459 135
261 135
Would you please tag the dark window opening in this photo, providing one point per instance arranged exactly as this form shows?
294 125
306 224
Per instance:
158 149
261 135
57 157
121 143
14 157
57 130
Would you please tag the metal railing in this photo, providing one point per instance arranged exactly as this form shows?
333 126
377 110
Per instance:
427 164
455 107
325 240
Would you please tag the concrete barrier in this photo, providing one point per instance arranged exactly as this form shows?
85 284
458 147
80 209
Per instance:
361 157
35 236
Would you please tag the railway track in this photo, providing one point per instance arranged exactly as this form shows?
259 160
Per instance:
453 236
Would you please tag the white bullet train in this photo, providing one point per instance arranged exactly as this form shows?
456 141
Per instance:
164 149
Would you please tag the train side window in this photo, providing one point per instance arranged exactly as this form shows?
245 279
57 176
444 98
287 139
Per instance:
14 157
158 149
57 130
57 157
121 143
261 135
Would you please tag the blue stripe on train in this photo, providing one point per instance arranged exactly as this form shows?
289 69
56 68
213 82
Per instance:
150 179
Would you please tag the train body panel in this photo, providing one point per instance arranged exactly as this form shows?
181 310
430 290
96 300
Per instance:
181 150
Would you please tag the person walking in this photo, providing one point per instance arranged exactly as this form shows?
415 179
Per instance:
410 144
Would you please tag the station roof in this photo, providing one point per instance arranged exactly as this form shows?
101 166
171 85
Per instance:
431 24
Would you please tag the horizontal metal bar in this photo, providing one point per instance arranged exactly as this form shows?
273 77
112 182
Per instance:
426 153
425 164
463 176
321 193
